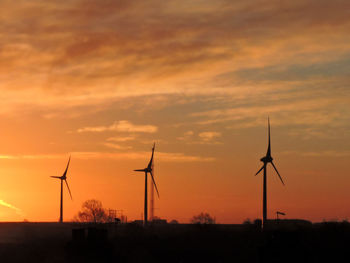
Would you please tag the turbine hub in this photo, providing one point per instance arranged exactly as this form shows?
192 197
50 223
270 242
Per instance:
266 159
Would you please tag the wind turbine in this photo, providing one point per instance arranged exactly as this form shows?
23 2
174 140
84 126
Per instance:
63 178
267 159
148 169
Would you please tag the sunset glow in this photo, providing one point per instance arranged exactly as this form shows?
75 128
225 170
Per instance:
102 80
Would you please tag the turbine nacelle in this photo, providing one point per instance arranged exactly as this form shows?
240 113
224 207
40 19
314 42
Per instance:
64 178
266 159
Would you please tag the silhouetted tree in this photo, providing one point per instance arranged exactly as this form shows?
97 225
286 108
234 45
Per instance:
92 211
203 218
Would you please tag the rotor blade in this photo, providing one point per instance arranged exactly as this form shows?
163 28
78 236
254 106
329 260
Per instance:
140 170
277 173
65 172
154 183
58 177
260 169
269 142
69 190
151 161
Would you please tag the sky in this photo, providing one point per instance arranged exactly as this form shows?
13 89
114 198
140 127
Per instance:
102 80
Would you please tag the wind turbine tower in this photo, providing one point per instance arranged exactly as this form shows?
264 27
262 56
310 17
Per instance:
63 178
267 159
151 210
148 169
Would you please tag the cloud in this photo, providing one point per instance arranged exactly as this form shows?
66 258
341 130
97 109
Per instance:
202 137
329 153
189 133
6 157
32 156
17 210
92 52
121 126
321 153
209 136
317 112
121 138
162 156
187 136
117 146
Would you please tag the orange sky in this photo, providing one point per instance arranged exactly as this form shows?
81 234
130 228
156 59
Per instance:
102 80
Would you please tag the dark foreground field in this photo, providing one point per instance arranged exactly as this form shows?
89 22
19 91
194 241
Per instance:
53 242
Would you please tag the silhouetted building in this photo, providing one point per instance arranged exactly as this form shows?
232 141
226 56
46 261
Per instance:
288 223
159 221
137 222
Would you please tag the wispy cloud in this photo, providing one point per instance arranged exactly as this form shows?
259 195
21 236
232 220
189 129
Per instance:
33 156
327 153
164 156
284 112
321 153
121 138
116 146
17 210
187 136
209 135
80 47
7 157
121 126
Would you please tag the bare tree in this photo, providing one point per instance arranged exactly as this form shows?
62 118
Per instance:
92 211
203 218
